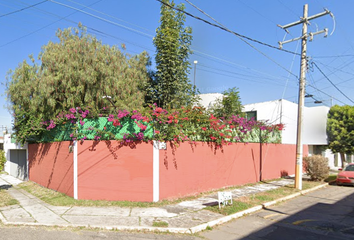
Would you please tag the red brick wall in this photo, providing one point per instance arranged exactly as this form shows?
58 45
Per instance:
51 165
110 171
191 169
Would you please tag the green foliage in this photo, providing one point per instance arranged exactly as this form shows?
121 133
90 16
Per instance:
170 86
340 130
2 160
78 70
159 224
228 106
317 167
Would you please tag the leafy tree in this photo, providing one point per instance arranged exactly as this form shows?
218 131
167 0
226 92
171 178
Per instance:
229 105
76 71
340 130
171 86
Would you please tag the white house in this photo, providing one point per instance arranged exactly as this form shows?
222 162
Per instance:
208 99
313 126
17 158
282 111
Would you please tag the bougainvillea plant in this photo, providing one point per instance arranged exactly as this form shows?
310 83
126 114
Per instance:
177 125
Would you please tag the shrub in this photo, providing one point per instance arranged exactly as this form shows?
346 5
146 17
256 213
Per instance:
2 160
317 167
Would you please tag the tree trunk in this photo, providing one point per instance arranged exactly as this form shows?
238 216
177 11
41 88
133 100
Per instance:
342 157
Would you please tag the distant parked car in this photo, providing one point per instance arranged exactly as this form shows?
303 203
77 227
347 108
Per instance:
346 176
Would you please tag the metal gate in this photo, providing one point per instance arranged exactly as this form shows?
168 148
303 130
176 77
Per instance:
18 164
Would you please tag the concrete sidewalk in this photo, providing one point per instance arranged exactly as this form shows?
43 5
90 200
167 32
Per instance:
184 217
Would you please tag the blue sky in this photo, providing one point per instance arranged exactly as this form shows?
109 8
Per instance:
259 72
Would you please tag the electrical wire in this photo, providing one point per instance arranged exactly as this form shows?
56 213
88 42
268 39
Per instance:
223 28
336 56
332 82
39 29
103 13
291 67
102 19
238 35
144 47
19 10
109 35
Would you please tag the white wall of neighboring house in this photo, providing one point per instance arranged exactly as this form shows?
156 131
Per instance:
313 127
208 99
8 146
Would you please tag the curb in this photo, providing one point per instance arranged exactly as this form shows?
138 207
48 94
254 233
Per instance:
191 230
252 210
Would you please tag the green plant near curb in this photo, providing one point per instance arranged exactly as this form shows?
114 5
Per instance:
2 160
160 224
245 202
6 199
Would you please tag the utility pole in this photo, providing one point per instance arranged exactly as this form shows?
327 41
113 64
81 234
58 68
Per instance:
303 67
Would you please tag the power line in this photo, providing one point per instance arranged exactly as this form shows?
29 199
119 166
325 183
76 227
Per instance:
92 9
4 15
102 19
223 28
238 35
332 82
26 35
204 55
335 56
326 94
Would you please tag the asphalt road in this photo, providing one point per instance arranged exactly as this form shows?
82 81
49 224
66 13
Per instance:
327 213
50 233
324 214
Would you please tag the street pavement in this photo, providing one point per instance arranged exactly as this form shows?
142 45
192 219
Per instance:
325 214
186 217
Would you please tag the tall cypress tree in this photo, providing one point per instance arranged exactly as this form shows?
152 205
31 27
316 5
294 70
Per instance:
171 86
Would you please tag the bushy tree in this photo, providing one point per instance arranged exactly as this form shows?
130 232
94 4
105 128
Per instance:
171 87
229 105
76 71
316 167
340 130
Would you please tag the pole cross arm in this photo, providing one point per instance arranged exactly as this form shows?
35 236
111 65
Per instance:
325 31
302 20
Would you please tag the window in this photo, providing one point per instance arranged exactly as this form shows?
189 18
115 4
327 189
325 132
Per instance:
251 114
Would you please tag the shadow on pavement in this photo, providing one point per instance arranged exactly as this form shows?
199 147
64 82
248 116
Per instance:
5 186
324 220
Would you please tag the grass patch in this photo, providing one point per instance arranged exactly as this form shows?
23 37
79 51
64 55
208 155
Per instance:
6 199
245 202
59 199
160 224
331 178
